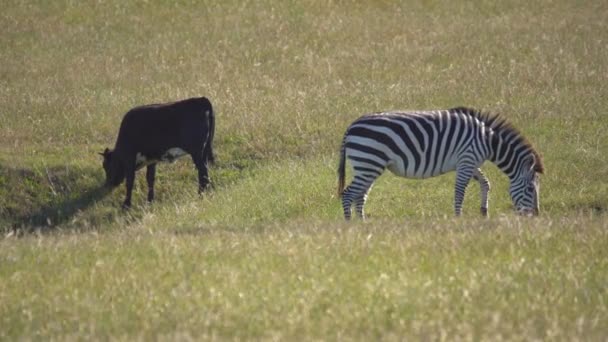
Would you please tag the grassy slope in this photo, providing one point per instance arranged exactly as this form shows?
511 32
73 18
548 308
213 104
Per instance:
266 254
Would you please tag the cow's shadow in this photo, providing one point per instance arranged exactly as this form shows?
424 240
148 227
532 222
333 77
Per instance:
41 200
56 214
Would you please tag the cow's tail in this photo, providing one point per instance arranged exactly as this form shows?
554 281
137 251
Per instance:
341 168
209 145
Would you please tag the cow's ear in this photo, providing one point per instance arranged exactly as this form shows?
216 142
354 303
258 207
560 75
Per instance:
106 153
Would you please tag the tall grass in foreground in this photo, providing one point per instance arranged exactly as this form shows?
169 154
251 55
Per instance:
458 279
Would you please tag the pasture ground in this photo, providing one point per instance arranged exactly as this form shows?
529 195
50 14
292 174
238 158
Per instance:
266 255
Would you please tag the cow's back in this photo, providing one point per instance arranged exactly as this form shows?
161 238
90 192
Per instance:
152 129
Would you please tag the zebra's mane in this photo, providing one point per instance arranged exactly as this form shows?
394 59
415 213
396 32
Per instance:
504 128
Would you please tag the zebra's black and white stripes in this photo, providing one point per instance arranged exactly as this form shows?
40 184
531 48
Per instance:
424 144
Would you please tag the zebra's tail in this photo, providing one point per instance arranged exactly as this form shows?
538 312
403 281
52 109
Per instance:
341 169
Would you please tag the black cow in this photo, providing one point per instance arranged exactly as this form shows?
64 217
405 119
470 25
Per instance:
161 133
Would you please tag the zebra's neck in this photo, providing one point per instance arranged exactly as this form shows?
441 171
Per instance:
508 151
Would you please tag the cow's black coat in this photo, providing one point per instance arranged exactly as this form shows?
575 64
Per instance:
151 131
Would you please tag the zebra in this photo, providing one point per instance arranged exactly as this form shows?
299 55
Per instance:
423 144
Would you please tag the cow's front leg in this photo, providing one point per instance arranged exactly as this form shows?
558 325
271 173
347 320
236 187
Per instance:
130 179
203 173
150 173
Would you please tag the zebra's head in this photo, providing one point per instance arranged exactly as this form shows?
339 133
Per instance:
525 186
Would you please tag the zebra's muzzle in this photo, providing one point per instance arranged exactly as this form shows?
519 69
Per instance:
528 212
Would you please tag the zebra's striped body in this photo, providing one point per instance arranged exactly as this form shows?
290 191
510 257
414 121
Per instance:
430 143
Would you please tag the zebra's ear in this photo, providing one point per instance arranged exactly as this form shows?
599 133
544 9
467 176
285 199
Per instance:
533 163
538 164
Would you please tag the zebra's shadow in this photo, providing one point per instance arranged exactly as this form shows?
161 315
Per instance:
595 207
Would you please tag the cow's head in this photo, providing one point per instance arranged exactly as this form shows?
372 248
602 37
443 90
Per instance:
115 172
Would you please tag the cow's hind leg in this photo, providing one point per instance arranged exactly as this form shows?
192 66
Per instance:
150 174
203 173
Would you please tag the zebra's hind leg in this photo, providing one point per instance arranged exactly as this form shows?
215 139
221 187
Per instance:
360 203
347 202
484 184
357 192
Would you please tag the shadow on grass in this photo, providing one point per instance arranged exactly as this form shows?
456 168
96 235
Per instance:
56 214
66 197
594 207
39 200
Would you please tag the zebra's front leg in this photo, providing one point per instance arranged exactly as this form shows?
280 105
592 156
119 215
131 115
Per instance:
463 176
484 184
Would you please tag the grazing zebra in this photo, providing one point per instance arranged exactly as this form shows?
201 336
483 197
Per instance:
424 144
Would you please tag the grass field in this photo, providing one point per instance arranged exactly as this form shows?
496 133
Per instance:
266 254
